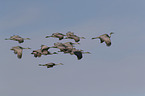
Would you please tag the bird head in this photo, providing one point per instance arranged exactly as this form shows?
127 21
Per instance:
111 33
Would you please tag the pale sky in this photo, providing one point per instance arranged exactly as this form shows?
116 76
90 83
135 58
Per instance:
118 70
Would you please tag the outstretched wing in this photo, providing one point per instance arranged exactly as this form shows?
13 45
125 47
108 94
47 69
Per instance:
78 54
19 53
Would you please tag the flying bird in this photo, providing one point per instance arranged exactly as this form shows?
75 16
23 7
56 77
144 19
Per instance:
18 50
57 35
49 65
71 35
78 53
105 38
17 38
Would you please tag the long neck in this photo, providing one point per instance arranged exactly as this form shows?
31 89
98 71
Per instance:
86 52
7 39
48 36
59 64
111 34
26 48
26 38
41 65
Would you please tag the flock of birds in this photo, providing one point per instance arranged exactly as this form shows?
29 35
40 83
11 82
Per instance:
66 48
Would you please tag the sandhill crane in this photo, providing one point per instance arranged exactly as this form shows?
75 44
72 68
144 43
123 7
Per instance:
17 38
70 35
57 35
49 65
105 38
18 50
77 52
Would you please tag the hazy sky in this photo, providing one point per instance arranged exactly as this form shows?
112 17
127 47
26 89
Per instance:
118 70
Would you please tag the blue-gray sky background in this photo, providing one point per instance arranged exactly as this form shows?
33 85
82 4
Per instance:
118 70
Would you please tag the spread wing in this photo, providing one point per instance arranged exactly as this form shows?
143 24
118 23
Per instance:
19 53
78 54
